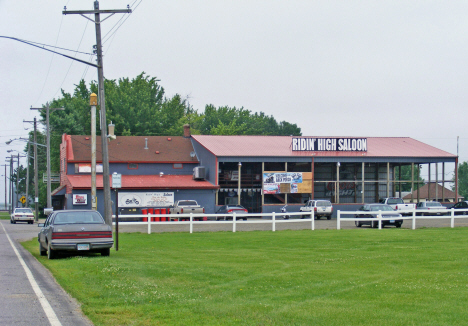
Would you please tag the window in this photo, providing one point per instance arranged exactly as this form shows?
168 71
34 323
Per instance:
132 166
177 166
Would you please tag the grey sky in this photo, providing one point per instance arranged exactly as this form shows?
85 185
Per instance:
335 68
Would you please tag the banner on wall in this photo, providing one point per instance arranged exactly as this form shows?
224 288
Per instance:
146 199
282 182
80 199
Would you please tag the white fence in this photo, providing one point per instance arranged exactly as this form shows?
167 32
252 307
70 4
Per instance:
275 218
432 214
211 219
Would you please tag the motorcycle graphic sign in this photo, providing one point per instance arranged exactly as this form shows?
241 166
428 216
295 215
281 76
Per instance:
146 199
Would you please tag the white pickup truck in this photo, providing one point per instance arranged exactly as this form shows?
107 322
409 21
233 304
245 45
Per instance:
187 207
399 205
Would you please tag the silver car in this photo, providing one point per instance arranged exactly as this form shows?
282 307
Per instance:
74 230
372 211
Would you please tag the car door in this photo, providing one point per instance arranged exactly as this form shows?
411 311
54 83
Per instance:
44 231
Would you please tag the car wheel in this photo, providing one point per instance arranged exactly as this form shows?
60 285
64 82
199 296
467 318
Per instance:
245 219
328 217
51 254
398 225
14 222
105 252
11 221
42 250
358 224
317 217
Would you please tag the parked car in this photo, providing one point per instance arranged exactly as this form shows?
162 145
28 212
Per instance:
432 208
229 210
22 215
372 211
320 207
74 230
186 207
459 206
399 205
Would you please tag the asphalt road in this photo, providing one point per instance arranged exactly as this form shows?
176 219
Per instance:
21 302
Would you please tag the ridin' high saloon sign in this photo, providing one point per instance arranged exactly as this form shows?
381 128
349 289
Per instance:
330 144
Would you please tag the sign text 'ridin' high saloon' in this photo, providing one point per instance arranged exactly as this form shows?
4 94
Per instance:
330 144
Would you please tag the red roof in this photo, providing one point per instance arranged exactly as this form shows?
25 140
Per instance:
281 146
143 182
131 149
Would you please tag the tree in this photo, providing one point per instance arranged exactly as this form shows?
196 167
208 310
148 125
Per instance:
139 107
462 180
406 176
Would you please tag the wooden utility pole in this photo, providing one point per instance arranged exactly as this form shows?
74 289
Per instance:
102 102
48 109
36 172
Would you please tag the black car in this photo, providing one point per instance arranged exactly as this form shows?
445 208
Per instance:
459 206
372 211
229 210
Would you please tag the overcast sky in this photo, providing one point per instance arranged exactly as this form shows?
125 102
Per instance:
335 68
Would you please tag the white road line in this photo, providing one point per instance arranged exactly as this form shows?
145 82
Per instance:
42 299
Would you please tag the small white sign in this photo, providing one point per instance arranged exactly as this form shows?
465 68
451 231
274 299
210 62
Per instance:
80 199
116 180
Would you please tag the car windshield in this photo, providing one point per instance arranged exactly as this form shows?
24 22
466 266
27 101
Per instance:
381 208
235 207
323 203
78 218
23 210
393 201
433 204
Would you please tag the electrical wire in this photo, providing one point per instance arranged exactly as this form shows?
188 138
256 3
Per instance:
71 63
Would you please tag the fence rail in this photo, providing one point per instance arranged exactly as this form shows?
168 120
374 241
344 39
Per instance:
279 218
432 214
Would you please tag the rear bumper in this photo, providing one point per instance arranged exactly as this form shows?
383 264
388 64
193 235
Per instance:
25 218
96 244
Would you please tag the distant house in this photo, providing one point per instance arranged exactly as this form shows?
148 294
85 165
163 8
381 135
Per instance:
433 193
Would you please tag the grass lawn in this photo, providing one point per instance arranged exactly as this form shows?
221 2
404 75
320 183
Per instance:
322 277
4 216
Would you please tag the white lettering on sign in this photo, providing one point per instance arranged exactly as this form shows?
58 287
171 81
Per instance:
330 144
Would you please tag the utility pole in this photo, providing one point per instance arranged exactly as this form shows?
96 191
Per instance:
36 172
49 191
5 165
102 102
27 176
93 103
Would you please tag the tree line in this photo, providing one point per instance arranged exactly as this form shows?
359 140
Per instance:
140 107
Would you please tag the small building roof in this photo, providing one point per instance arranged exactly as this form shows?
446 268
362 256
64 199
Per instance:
281 146
142 182
423 192
125 149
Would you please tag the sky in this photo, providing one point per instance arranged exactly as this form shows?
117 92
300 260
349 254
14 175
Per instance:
383 68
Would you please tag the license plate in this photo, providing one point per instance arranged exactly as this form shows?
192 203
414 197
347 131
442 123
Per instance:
392 221
83 246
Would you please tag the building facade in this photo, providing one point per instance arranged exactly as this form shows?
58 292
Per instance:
262 173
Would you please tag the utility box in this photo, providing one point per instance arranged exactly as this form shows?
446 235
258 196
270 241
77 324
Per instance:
199 173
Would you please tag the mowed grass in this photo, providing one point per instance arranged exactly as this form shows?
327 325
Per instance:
4 216
322 277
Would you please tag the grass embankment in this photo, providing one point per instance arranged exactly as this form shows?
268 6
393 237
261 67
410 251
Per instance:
4 216
322 277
